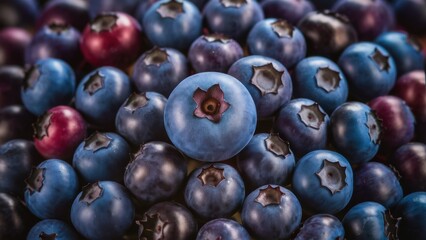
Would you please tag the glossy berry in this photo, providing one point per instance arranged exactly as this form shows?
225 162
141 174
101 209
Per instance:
51 188
141 118
321 80
278 39
214 52
100 94
15 122
411 211
13 42
15 219
52 229
321 226
291 10
370 220
102 157
271 212
172 23
267 158
69 12
94 217
304 124
409 161
160 70
11 78
327 33
17 157
323 181
355 131
369 18
214 112
112 39
168 221
222 228
397 121
232 18
58 132
267 80
48 83
165 169
55 41
376 182
369 69
214 191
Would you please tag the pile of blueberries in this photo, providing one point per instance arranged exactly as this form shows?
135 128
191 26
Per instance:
212 119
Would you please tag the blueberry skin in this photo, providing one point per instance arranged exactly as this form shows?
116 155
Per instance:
262 40
309 186
259 166
405 52
232 21
104 163
351 134
273 221
99 6
405 12
176 222
143 124
100 107
269 103
365 221
51 85
181 30
411 209
290 10
167 170
11 78
214 56
321 227
18 13
376 182
16 122
163 77
224 229
302 138
16 158
107 217
59 188
210 141
55 41
306 83
215 201
60 229
15 219
366 78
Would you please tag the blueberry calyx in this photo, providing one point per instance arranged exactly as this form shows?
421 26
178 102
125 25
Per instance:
216 37
136 101
31 77
91 192
374 127
211 104
282 28
311 116
156 56
269 196
58 28
266 78
151 227
211 176
97 141
95 83
276 145
391 225
104 22
327 79
381 60
35 180
171 9
47 236
41 126
332 176
233 3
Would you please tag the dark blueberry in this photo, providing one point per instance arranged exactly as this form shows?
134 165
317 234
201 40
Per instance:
18 13
411 211
15 219
52 229
99 6
224 229
11 78
15 122
411 14
291 10
13 42
68 12
321 227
